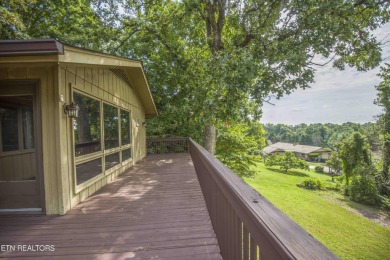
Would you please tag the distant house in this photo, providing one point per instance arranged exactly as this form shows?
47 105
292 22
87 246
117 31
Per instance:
301 151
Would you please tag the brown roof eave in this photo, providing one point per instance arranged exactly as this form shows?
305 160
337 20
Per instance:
31 47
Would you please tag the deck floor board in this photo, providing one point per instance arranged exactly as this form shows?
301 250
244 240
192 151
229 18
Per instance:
156 210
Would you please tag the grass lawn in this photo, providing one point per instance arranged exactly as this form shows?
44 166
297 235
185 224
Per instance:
347 234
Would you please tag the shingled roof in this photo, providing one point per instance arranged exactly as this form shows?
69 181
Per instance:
287 147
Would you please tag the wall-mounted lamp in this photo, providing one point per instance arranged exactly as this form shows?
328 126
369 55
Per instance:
144 124
72 110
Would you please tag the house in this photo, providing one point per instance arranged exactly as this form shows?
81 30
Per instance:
301 151
71 121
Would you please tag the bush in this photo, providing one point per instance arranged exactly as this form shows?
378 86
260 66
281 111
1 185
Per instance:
319 169
363 190
311 184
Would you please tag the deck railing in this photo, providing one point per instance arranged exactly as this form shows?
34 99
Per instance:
246 224
167 145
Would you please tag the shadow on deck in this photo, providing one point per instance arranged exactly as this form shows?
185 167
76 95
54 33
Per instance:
154 211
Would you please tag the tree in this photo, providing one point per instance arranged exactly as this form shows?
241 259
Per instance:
213 61
286 161
334 163
222 58
354 152
86 23
239 145
384 101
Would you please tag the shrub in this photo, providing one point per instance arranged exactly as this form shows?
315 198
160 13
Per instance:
363 190
319 169
286 161
313 156
311 184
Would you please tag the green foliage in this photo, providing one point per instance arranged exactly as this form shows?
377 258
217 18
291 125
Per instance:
363 190
311 184
334 163
384 101
313 156
211 62
237 145
286 161
354 152
319 169
326 215
76 22
325 135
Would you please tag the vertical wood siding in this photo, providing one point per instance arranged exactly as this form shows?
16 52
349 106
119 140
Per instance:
57 143
104 85
49 115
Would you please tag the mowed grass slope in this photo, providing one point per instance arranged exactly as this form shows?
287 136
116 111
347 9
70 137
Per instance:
347 234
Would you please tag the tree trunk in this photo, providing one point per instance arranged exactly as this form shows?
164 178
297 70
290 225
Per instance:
209 138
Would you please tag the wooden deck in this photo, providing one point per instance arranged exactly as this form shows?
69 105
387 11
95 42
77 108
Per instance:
154 211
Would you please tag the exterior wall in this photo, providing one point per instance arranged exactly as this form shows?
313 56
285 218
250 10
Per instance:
47 76
102 84
58 169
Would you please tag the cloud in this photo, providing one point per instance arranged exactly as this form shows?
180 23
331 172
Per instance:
347 95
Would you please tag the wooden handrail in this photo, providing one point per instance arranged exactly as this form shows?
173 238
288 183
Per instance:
167 145
246 224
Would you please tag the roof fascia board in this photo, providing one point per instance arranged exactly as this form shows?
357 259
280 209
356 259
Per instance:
74 55
30 59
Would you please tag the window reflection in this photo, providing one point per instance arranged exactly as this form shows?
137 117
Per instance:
9 129
111 127
125 127
28 128
112 160
87 126
88 170
126 154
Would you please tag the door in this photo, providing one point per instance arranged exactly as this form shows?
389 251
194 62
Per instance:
20 176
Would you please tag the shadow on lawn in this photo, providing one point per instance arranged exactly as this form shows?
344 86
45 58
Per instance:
370 212
289 172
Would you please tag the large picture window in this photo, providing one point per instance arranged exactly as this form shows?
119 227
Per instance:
97 151
87 126
111 127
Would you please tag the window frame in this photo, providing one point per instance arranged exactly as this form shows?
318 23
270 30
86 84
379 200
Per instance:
21 149
103 152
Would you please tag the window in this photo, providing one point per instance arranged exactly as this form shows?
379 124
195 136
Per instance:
88 170
87 126
125 127
112 160
115 137
126 154
16 123
111 127
9 129
28 128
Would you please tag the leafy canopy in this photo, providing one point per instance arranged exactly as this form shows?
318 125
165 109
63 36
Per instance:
239 146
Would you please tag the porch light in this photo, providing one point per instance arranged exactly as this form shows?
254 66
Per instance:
72 110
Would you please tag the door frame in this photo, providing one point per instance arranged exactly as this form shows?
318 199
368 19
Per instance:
35 84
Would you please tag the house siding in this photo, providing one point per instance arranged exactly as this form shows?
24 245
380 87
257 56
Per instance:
56 80
103 84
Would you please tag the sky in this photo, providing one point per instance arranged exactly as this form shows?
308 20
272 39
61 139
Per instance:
335 96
